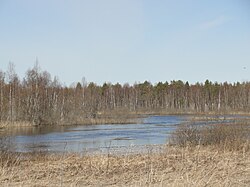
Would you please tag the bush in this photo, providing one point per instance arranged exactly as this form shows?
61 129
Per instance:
230 136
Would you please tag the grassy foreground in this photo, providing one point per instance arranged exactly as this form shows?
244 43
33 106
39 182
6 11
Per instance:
173 166
216 155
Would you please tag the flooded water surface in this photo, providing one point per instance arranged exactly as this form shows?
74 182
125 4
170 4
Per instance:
154 130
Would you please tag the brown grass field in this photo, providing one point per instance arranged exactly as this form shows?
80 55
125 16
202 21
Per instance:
214 156
173 166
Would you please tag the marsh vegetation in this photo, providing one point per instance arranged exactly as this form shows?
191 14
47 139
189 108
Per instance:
198 156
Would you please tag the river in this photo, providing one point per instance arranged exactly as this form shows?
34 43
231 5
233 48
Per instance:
154 130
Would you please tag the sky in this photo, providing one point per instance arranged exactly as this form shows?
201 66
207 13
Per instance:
128 41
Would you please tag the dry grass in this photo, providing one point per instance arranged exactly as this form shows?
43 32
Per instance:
218 155
229 136
173 166
5 124
108 120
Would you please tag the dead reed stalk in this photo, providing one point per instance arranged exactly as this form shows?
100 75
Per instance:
173 166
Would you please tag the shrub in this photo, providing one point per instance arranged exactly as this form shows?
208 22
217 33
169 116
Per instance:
230 136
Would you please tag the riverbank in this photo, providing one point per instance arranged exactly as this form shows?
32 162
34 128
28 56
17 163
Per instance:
173 166
128 118
215 155
7 124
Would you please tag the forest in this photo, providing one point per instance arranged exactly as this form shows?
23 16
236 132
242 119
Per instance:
41 99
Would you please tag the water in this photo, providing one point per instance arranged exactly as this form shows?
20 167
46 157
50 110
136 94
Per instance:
155 130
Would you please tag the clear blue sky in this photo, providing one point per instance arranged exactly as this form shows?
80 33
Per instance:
128 40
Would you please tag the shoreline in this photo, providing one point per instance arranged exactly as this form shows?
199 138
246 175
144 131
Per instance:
132 118
217 156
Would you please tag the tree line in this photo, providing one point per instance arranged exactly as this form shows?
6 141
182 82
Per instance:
40 99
